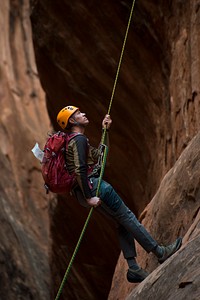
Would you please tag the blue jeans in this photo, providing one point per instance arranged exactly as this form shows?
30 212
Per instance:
129 228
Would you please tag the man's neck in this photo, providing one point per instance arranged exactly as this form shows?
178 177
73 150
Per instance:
78 129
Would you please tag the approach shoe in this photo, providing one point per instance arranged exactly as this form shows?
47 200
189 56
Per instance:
169 250
136 275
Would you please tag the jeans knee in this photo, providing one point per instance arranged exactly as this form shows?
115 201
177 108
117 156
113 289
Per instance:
109 196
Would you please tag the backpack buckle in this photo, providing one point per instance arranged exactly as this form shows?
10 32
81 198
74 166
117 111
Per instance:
46 188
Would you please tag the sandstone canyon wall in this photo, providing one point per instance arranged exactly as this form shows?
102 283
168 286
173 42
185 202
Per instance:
155 117
174 211
24 218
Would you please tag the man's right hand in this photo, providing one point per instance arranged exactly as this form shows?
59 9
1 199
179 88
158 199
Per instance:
94 201
106 123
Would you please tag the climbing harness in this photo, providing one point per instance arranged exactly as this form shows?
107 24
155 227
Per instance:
103 162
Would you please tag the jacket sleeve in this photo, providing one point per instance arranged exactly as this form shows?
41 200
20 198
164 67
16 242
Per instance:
94 153
80 162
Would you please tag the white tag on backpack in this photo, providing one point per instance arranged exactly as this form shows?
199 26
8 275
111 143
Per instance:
38 153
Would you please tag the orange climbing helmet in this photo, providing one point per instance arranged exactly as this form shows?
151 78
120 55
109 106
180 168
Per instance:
64 115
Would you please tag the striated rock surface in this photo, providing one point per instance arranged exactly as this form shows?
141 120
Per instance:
155 115
174 211
178 278
24 218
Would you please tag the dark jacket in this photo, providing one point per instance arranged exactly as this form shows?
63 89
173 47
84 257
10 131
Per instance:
80 157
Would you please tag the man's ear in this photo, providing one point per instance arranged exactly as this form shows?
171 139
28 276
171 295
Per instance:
71 120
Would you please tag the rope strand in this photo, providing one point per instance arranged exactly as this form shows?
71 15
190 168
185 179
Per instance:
103 163
121 56
74 255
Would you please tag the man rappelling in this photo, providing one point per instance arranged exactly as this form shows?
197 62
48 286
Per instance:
81 159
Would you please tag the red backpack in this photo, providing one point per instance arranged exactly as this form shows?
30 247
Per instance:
54 169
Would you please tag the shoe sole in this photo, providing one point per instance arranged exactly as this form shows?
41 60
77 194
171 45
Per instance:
135 278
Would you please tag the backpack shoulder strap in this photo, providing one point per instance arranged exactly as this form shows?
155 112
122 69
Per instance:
69 137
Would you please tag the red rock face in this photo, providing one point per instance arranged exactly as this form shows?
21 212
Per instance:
173 211
155 114
24 219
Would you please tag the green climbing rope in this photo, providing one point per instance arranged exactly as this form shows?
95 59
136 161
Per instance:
103 163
